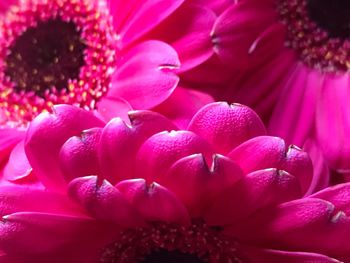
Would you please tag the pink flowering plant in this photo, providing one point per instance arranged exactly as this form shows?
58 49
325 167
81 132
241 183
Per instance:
142 190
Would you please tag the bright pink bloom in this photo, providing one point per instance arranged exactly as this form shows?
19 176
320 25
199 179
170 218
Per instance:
141 190
107 57
292 58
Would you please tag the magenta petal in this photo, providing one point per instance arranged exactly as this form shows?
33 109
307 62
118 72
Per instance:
271 152
181 116
17 166
338 195
47 133
259 153
333 121
226 126
132 19
321 174
120 142
108 108
188 31
196 184
237 29
146 75
269 255
40 232
163 149
103 201
216 5
154 202
255 191
9 137
307 224
20 199
78 155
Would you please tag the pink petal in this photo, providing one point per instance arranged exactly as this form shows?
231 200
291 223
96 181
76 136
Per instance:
108 108
216 5
103 201
196 184
40 232
78 155
154 202
261 87
268 255
226 126
338 195
188 31
181 116
145 75
271 152
333 121
163 149
17 167
9 137
307 224
132 19
236 30
47 133
16 198
321 174
255 191
300 92
120 142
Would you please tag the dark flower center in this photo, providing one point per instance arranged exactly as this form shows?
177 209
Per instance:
45 56
170 257
332 15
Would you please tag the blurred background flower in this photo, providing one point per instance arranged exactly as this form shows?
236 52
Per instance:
291 63
106 57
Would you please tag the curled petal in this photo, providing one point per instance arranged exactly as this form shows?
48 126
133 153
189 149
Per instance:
253 192
45 136
78 155
17 167
226 126
103 201
109 108
9 137
163 149
153 202
196 184
338 195
145 75
308 224
190 37
120 142
271 152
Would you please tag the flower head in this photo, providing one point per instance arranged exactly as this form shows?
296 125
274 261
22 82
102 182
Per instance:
291 55
143 191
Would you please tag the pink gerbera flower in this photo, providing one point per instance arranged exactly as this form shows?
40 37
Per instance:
295 55
143 191
105 57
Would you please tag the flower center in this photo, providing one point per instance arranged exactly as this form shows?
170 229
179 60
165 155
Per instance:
172 243
319 31
53 52
45 56
331 15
